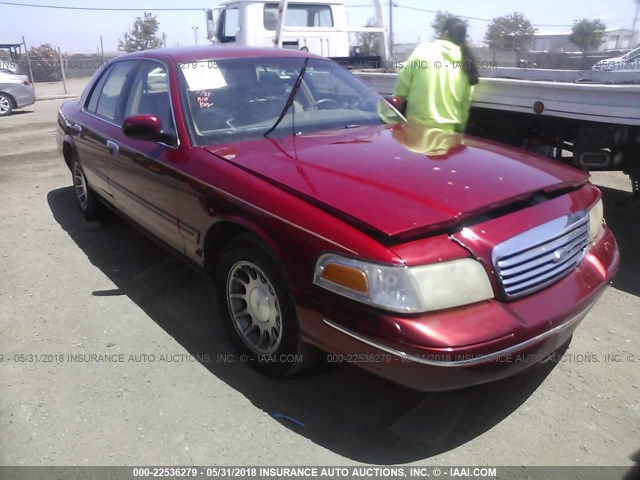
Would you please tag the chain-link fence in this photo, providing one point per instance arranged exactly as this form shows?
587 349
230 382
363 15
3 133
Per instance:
52 71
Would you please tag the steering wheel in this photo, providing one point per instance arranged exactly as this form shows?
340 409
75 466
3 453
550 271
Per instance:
327 104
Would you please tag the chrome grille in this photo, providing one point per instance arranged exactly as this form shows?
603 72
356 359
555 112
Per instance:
541 256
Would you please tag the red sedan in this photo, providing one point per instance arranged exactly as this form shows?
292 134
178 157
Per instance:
330 224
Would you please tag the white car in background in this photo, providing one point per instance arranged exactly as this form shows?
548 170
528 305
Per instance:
16 91
629 61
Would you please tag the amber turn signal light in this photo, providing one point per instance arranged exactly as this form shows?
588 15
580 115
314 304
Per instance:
348 277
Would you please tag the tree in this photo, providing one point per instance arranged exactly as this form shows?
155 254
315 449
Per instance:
370 41
142 36
45 52
45 63
587 34
510 32
439 21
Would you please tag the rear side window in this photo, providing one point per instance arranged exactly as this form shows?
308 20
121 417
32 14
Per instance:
95 94
106 95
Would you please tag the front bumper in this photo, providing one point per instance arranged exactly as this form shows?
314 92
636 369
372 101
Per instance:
461 347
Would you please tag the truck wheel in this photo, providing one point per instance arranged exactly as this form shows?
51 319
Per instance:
6 105
540 148
257 309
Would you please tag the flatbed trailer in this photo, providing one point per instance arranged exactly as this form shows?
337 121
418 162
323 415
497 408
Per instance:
593 115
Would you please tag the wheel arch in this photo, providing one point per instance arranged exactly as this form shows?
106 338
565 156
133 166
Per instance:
68 152
14 104
224 231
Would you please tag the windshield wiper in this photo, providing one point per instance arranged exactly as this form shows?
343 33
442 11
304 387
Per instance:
292 95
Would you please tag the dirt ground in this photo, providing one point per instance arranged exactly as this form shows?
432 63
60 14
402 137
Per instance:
69 290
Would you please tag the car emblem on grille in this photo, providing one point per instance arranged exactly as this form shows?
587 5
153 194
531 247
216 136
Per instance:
559 254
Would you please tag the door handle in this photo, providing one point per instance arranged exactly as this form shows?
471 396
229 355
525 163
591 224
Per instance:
77 129
112 147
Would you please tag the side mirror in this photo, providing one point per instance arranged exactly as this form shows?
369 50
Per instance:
146 127
211 24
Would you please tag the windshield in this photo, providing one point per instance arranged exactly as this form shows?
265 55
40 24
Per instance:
240 99
632 53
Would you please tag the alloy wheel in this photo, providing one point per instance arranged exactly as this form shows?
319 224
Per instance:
5 105
254 308
80 186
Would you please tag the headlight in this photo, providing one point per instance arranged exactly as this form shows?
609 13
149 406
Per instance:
405 289
596 220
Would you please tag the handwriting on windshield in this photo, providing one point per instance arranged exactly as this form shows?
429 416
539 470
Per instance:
203 99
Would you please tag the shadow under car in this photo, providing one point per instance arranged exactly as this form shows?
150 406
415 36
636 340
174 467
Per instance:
341 408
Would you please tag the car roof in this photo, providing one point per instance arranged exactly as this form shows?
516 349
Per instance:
214 52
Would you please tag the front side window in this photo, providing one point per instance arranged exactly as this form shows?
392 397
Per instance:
149 94
106 95
240 99
299 15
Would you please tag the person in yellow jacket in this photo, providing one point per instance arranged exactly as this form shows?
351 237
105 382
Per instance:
434 86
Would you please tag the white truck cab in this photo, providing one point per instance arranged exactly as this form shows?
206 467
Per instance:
317 26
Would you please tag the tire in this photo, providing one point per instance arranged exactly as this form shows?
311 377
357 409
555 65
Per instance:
543 149
257 309
86 198
6 105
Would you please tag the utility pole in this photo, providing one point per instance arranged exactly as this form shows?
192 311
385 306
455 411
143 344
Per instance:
195 34
635 17
390 27
164 40
64 77
26 53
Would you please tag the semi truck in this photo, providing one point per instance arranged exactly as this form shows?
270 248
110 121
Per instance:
590 119
316 26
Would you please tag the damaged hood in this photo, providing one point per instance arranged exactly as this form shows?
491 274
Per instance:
398 180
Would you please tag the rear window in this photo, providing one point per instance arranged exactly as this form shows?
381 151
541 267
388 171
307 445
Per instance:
299 15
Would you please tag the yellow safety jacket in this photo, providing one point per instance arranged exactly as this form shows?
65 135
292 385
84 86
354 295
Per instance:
435 86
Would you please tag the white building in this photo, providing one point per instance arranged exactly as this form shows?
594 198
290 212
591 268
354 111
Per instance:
614 39
619 39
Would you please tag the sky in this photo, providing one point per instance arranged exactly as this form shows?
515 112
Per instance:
77 31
